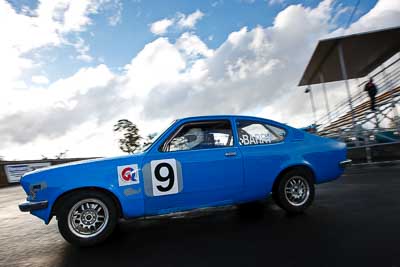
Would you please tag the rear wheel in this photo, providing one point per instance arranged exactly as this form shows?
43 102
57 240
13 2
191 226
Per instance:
295 191
87 218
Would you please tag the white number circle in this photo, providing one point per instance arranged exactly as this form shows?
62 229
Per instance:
164 171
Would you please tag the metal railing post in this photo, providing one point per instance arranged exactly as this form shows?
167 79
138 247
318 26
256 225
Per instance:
392 98
345 78
360 88
341 135
368 154
376 121
321 78
309 90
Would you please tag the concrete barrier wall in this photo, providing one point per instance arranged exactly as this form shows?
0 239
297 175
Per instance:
374 153
3 175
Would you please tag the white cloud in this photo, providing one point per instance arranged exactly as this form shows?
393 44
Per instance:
180 21
116 17
385 13
217 3
256 68
192 46
189 21
66 103
74 14
82 49
159 62
255 71
275 2
160 27
49 25
40 79
85 58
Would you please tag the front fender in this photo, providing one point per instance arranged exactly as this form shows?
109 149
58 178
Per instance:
103 174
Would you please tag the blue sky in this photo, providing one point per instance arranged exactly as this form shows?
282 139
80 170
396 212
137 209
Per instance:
115 45
71 69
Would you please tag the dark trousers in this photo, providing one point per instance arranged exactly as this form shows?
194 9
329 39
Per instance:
372 96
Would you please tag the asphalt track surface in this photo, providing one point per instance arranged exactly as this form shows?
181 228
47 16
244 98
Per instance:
354 221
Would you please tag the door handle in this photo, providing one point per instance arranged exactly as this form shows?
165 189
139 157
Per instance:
230 154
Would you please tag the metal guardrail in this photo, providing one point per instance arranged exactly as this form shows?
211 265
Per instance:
386 80
385 83
364 115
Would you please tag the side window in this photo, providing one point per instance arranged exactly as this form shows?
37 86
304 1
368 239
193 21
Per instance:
257 133
200 135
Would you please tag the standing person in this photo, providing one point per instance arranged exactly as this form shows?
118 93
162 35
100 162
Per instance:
371 89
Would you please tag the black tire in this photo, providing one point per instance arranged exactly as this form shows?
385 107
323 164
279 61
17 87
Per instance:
71 232
286 201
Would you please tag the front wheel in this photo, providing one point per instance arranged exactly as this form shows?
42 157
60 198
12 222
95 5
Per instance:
87 218
295 191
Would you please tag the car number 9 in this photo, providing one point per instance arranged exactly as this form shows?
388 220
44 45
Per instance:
164 177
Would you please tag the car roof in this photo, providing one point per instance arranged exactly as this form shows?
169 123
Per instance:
228 116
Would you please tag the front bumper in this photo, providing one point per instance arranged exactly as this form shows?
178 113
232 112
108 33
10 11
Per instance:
30 206
345 163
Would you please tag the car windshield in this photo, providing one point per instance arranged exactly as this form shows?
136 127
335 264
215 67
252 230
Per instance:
155 138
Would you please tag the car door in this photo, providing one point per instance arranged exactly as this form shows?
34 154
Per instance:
264 150
197 165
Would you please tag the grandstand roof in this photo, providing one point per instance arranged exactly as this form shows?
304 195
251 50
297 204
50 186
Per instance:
363 52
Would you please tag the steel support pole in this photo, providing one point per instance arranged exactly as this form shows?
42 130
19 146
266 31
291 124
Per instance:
376 121
360 88
368 153
345 78
392 98
309 90
321 78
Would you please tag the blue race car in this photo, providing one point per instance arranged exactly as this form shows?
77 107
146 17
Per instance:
197 162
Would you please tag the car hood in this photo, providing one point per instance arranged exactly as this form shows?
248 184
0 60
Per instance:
82 163
85 169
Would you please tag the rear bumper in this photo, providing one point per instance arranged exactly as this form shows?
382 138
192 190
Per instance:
345 163
30 206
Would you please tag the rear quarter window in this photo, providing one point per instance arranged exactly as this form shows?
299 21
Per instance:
259 133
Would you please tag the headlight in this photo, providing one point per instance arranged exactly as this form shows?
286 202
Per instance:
33 190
